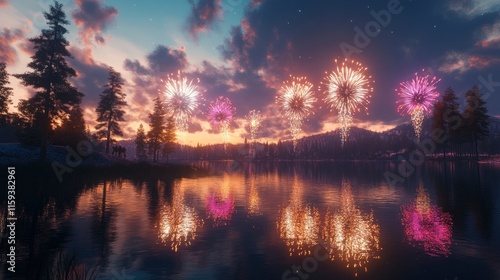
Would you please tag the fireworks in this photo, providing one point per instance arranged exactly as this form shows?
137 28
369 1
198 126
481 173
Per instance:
181 99
348 90
296 101
221 114
427 226
254 121
417 96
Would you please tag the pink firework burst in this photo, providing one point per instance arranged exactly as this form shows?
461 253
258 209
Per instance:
220 114
417 97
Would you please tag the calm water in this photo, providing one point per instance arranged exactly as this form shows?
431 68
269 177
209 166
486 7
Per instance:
257 221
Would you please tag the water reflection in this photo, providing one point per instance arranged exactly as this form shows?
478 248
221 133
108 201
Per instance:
254 203
178 223
426 225
298 223
353 236
220 204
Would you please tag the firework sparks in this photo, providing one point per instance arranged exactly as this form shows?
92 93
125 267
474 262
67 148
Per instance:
297 102
417 97
254 122
220 114
181 100
348 89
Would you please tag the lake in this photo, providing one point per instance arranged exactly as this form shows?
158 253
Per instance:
267 220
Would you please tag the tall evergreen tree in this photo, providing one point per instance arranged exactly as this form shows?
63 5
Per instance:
157 133
5 94
110 109
446 116
169 146
50 74
452 117
438 122
476 117
140 144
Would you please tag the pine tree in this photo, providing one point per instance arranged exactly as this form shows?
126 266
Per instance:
452 117
446 117
157 133
109 110
50 73
169 146
5 94
476 117
140 144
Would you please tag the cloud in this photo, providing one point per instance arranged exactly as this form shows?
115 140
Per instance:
135 66
93 18
490 36
194 127
164 60
473 8
4 3
203 15
458 62
8 37
92 76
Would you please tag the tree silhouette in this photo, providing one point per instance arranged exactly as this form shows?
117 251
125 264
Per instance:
447 118
452 117
109 110
157 135
55 96
140 144
5 94
169 146
476 116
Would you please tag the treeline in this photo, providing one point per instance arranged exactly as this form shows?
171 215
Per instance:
362 145
462 129
53 114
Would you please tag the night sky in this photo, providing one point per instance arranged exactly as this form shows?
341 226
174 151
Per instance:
245 49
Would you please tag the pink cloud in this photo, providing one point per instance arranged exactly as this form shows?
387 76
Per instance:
462 62
4 3
490 36
8 37
93 18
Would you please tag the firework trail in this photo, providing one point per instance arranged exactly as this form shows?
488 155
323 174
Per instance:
220 114
348 89
181 100
254 122
296 101
417 96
